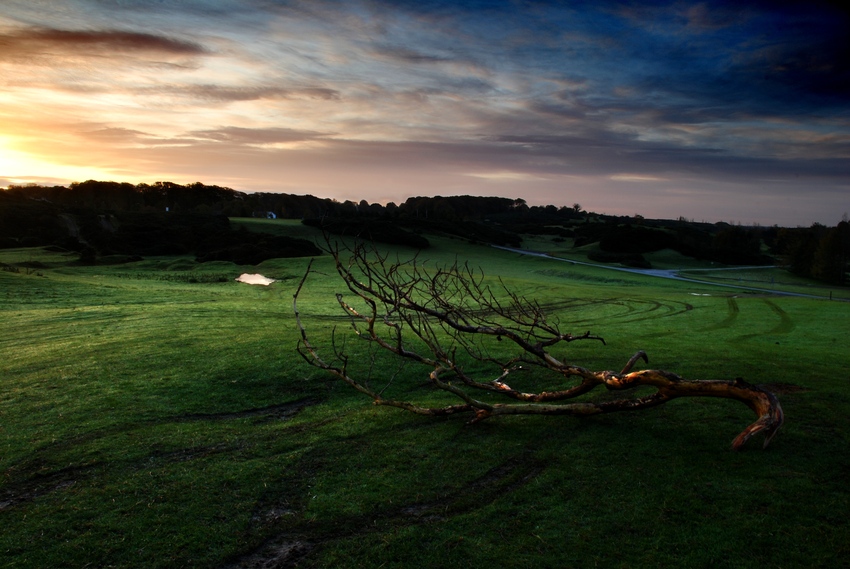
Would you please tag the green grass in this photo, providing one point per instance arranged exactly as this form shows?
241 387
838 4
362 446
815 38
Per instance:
755 279
770 279
149 419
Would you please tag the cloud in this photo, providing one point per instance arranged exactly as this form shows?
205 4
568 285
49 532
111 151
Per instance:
774 60
227 93
816 71
116 135
705 16
27 45
636 178
503 176
256 136
34 180
408 55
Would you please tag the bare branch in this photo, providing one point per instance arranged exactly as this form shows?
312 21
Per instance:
447 320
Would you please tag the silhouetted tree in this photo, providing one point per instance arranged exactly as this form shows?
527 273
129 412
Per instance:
829 262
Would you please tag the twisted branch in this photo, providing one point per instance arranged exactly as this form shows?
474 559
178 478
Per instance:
455 315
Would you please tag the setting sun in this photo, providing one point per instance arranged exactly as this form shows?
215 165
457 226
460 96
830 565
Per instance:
18 167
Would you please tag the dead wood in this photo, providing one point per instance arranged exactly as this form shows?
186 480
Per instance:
446 317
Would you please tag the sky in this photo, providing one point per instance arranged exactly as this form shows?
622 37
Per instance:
712 111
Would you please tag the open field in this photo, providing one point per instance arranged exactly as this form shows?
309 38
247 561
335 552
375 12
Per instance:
767 278
155 414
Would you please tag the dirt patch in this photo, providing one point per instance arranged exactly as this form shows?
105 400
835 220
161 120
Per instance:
28 490
274 555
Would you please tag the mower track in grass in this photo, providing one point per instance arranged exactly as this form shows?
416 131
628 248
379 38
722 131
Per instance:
785 324
301 537
731 316
34 478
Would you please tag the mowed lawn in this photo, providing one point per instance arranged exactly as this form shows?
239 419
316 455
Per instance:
156 414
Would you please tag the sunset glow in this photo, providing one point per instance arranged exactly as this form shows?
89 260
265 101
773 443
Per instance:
707 110
17 167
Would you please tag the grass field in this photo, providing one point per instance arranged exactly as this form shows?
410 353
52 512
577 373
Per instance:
155 414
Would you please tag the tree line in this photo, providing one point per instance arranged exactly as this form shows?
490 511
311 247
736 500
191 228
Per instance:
168 217
819 252
211 199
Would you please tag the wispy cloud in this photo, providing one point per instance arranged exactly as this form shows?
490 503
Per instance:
502 176
252 136
226 93
636 178
45 45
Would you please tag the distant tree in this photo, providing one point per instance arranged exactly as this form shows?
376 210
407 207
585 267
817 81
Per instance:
736 245
443 210
798 246
829 262
519 205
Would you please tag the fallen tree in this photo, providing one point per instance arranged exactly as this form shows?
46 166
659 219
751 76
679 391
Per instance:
446 317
